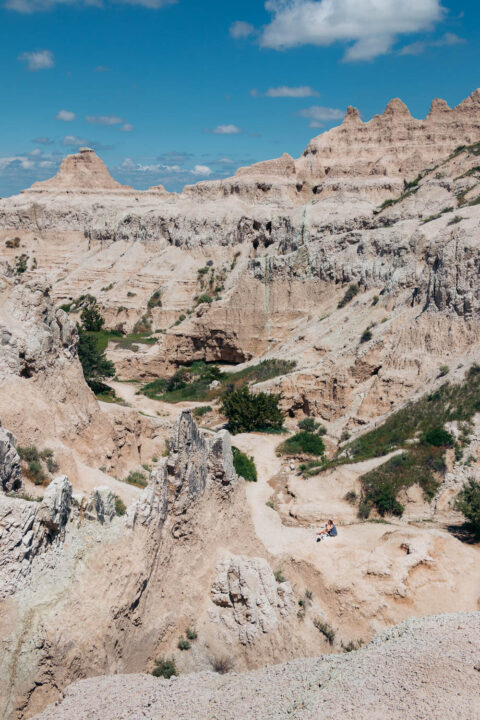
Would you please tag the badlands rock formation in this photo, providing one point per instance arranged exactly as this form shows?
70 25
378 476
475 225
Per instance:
388 679
390 206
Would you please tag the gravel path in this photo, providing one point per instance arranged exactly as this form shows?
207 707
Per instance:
424 669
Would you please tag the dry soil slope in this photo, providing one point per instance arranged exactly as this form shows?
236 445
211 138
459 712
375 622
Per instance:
428 668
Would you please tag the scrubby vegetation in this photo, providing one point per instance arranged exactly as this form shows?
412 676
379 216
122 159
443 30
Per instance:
120 507
327 631
91 318
193 382
248 411
419 430
199 412
244 465
279 576
349 295
311 425
183 644
165 668
468 503
136 478
302 443
222 664
37 465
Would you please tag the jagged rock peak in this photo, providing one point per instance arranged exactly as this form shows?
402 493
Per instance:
438 107
352 115
396 108
82 171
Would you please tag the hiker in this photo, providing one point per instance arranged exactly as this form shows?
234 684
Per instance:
329 531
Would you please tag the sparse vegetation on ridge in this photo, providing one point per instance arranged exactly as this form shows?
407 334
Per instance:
193 382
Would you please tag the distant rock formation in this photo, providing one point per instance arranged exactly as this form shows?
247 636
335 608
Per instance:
80 172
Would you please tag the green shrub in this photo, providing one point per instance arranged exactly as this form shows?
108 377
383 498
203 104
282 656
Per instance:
247 411
199 412
91 318
351 497
120 507
136 478
183 644
204 298
352 290
443 370
155 300
327 631
191 634
244 465
96 368
468 502
303 443
308 424
375 299
438 437
366 336
165 668
279 576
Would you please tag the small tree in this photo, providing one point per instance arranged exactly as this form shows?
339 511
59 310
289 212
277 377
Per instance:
468 502
91 319
96 368
247 411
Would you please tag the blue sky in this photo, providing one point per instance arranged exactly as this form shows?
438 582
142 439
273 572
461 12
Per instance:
175 92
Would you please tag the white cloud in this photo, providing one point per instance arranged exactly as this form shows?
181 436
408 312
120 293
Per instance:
371 25
291 92
74 141
227 130
28 7
38 60
417 48
65 115
199 170
127 127
103 120
241 29
318 115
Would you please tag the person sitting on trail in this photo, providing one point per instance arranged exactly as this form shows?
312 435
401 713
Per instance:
329 531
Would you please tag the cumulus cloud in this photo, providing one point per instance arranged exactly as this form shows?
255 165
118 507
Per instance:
241 29
227 130
43 140
65 115
38 60
371 26
127 127
201 171
76 142
318 115
28 7
103 120
291 92
419 47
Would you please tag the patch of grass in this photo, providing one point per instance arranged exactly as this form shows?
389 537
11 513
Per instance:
204 298
222 664
393 201
191 634
418 429
279 576
352 290
244 465
351 497
302 443
192 382
199 412
353 645
35 462
183 644
327 631
455 220
443 370
165 668
120 507
311 425
155 300
136 478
